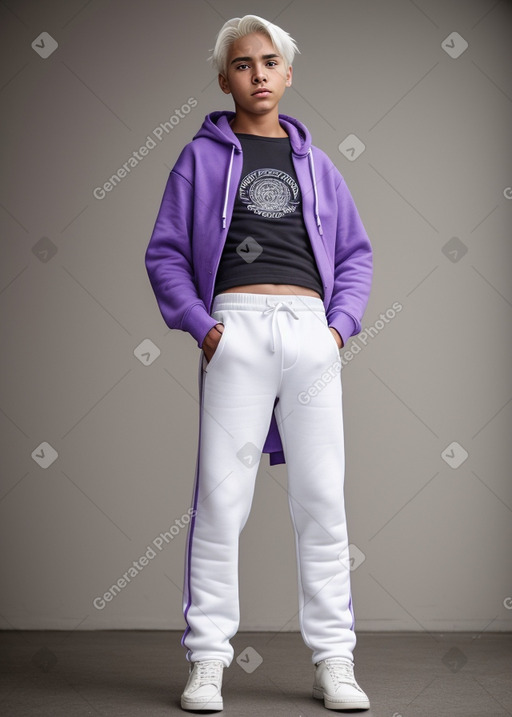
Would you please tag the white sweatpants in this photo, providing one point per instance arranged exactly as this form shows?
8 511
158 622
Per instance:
273 346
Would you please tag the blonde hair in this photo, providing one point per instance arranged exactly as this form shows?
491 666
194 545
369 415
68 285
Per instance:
238 27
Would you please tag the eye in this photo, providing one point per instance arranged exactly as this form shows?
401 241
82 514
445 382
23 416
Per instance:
239 67
272 63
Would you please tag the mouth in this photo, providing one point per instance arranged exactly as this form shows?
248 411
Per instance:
263 92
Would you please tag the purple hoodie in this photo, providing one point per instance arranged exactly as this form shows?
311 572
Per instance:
184 252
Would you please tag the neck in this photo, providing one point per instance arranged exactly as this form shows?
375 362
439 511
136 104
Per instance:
263 125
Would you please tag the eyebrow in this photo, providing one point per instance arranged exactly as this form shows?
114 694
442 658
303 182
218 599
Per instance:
248 59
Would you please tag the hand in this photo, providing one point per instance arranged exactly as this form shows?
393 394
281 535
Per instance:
337 336
211 340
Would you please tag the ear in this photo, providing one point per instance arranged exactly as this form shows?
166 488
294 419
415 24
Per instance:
224 84
289 77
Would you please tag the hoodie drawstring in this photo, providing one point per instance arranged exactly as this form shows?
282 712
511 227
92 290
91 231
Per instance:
313 176
228 181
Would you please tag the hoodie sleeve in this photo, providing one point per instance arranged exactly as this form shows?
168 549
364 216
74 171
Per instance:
169 262
353 268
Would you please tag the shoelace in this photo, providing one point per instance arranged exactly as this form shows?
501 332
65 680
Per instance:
273 309
341 672
208 671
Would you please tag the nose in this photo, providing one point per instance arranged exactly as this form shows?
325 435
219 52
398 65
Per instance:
259 76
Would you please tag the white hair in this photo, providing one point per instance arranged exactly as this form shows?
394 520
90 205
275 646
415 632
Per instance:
239 27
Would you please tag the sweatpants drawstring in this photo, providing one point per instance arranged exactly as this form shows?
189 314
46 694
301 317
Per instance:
274 307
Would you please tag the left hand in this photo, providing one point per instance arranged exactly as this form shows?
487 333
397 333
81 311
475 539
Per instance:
336 335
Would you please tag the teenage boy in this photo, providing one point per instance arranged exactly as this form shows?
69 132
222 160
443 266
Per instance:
259 253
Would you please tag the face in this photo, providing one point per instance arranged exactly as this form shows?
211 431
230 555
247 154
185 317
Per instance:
256 74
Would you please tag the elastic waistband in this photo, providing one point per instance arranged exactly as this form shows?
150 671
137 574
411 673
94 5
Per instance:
260 302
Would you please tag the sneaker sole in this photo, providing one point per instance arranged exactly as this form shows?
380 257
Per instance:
318 694
214 705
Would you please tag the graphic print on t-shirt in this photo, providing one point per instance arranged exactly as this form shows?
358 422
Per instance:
270 193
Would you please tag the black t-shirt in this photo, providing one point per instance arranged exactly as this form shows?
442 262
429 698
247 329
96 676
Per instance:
267 240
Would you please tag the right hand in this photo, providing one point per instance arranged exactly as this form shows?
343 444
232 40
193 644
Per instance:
211 340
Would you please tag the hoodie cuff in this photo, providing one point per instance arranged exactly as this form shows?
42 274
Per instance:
198 322
344 325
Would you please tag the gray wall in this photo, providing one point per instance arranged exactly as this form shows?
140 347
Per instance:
426 385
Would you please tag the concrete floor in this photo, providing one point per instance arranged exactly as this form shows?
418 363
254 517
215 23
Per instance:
135 673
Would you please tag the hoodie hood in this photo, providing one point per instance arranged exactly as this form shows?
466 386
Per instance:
216 128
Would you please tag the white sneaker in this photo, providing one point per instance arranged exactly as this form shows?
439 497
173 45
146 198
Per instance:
336 685
203 689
